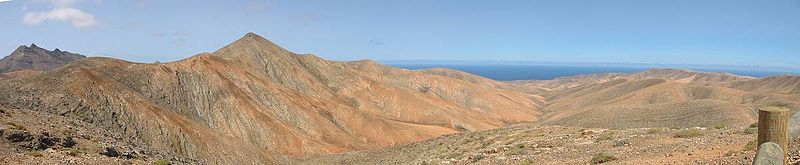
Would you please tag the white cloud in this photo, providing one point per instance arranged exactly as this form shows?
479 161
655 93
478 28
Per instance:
1 1
64 11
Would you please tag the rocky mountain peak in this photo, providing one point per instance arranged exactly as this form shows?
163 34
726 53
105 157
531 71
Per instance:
35 58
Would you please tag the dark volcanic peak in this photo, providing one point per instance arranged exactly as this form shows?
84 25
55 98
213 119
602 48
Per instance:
35 58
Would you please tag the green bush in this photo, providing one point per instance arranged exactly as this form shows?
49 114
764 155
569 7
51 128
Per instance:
690 133
72 151
162 162
603 158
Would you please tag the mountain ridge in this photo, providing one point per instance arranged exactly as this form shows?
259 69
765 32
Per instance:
258 103
35 58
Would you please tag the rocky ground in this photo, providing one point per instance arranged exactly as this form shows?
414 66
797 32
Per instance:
534 144
30 137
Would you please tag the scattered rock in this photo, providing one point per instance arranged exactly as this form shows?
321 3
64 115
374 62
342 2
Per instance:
44 141
110 152
17 136
68 142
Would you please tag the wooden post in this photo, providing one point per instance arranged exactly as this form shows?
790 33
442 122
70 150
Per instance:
772 127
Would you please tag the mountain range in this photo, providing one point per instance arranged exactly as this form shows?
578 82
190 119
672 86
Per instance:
253 102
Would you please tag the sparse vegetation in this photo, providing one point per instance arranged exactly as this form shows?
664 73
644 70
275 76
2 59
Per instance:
719 126
750 131
653 131
15 126
751 145
690 133
35 154
524 162
602 158
518 150
352 102
729 153
72 151
478 157
604 137
162 162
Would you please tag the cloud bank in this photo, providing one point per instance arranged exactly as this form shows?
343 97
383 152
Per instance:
64 11
1 1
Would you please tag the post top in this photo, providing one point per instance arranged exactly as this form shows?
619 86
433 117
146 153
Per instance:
773 109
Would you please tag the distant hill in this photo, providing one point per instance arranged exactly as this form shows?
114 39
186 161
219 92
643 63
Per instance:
26 60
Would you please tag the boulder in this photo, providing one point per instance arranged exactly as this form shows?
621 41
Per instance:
18 136
794 126
110 152
769 153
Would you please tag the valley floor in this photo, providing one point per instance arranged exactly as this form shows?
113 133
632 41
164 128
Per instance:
536 144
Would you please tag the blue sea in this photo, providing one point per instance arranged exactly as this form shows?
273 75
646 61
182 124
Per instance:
546 72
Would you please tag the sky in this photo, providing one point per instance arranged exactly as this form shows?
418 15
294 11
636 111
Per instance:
711 32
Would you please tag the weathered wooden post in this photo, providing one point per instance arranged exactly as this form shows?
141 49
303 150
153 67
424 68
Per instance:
772 127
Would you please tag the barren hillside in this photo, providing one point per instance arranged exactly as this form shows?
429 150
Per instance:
534 144
253 102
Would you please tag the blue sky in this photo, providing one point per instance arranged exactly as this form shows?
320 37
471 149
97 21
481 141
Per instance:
728 32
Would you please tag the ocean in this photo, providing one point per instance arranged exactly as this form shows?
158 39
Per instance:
546 72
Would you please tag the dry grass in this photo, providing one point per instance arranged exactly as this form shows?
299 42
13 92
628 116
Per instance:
719 126
72 151
16 126
162 162
35 154
604 137
602 158
653 131
519 150
751 145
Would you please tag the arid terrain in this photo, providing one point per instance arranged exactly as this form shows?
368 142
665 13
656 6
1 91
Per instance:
253 102
535 144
